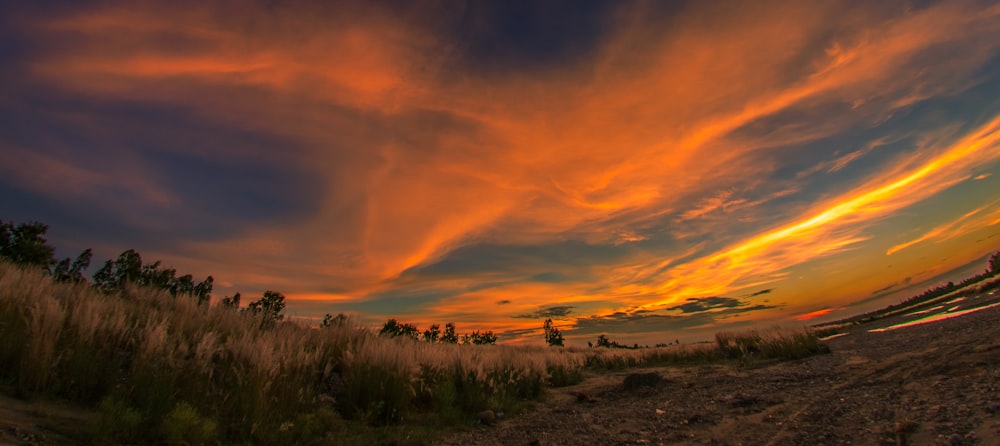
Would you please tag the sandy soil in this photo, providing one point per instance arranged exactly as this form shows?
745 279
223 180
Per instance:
929 384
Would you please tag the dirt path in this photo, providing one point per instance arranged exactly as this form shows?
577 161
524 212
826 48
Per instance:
928 384
40 422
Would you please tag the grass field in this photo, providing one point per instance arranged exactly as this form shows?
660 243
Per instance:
162 369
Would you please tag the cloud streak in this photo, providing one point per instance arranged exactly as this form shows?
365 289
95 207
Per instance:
963 225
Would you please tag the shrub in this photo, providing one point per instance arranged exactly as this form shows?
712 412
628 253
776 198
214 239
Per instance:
561 375
184 425
118 422
553 337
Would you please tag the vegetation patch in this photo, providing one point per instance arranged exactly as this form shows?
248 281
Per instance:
144 347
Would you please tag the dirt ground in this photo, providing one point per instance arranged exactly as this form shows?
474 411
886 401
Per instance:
41 423
936 383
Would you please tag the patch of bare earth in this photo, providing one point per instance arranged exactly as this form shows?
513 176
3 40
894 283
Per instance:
928 384
41 423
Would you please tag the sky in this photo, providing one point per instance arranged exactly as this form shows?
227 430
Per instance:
656 171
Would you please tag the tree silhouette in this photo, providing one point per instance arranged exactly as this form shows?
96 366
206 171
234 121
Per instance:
995 263
104 278
67 272
603 341
113 276
433 334
483 338
449 336
152 275
25 244
553 336
128 268
203 290
268 308
394 328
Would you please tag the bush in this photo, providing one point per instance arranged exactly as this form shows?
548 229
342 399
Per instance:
562 375
376 394
118 423
184 425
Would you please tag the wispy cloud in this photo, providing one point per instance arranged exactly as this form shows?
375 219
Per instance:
971 221
558 311
814 314
698 305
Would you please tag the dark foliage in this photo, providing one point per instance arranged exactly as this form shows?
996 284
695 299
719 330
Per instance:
553 337
480 338
449 336
604 342
394 328
72 272
128 268
268 308
25 244
433 334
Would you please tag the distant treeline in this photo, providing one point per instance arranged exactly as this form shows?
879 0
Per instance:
25 245
992 269
433 334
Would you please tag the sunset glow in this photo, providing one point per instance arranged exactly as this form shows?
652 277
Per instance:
650 170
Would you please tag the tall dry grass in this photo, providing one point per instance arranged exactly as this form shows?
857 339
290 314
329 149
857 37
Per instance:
164 369
779 343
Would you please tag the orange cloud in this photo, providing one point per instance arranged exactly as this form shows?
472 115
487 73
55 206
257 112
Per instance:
830 227
421 158
813 314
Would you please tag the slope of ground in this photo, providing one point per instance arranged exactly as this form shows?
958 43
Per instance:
935 383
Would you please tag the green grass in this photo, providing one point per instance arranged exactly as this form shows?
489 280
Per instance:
160 369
